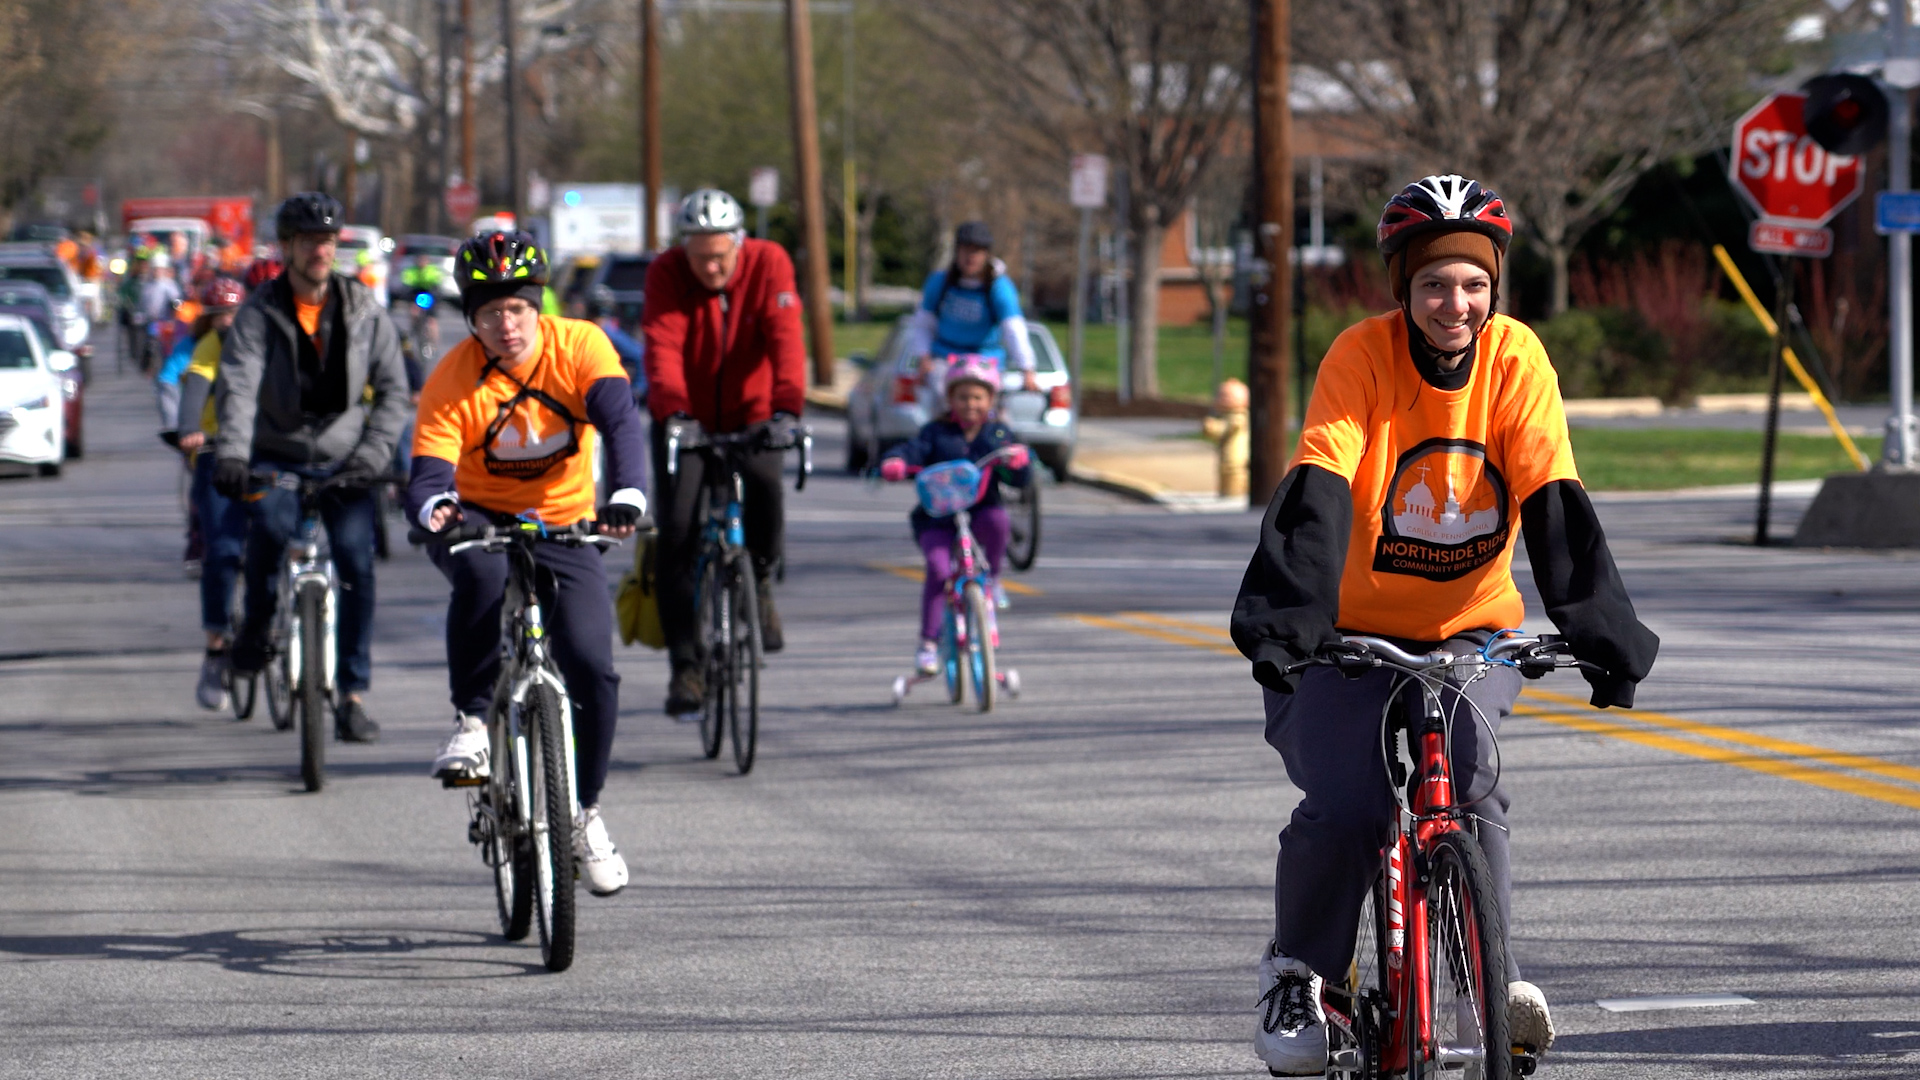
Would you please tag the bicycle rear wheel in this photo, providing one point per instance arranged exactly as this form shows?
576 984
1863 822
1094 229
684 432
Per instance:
1359 1032
980 646
1466 961
503 845
715 622
745 667
950 659
313 687
243 691
278 676
551 800
1023 514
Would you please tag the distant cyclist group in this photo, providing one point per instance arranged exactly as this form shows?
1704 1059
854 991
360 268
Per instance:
1433 440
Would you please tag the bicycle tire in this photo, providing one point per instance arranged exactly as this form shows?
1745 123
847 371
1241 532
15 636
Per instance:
278 684
980 646
382 506
1023 543
950 658
1466 961
313 688
1363 996
505 847
745 668
714 661
243 702
551 799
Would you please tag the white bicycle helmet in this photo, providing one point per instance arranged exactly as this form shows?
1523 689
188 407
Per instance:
708 211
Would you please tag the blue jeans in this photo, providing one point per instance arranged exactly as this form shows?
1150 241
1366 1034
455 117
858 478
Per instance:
273 515
223 532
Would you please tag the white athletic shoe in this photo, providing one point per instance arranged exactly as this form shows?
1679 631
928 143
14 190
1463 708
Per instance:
1528 1023
600 862
1292 1034
211 692
467 752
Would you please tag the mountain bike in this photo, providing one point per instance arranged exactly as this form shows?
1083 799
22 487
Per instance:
522 813
970 635
726 596
1426 993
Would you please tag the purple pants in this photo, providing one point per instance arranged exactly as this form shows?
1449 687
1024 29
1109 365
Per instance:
990 528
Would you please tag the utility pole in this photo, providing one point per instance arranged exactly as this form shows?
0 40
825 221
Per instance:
650 122
1273 182
513 128
850 199
806 152
466 91
1900 450
436 206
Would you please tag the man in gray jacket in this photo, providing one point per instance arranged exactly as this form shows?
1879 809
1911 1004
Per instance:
304 350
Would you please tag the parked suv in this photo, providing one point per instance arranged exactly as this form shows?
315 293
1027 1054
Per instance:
626 275
37 263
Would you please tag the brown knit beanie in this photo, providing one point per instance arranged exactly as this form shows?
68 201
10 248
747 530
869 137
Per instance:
1423 251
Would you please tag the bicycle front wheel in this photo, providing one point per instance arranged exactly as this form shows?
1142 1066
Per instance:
980 646
743 695
1466 972
313 687
504 845
715 630
551 800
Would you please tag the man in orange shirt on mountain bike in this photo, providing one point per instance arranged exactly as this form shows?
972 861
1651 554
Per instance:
1432 431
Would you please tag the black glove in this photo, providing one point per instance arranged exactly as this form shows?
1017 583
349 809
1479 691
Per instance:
355 474
781 433
230 477
620 516
682 425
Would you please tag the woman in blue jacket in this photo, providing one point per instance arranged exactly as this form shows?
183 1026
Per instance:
972 308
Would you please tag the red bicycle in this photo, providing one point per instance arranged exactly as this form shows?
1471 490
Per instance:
1418 1000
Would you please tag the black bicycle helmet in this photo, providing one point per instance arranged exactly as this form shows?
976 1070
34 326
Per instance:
308 212
1443 204
498 264
974 234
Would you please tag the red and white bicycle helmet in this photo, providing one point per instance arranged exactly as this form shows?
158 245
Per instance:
1443 204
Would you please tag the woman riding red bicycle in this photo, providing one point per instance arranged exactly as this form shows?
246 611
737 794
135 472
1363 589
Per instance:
1432 431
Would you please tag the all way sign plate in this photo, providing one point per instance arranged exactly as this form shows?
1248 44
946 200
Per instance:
1783 238
1896 211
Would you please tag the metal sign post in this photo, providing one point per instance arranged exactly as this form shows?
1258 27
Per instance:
763 190
1899 73
1087 191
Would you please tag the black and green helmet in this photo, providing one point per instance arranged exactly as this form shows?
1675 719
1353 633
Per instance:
498 264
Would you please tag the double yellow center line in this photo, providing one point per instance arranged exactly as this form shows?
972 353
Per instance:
1835 770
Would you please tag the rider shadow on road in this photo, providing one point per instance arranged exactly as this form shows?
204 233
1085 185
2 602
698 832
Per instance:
1849 1048
412 954
201 781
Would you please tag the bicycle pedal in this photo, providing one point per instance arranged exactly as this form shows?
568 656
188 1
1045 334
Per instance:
451 781
1524 1061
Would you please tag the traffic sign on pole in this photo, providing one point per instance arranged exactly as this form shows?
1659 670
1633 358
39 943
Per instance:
1896 211
1787 176
1087 188
463 201
1782 238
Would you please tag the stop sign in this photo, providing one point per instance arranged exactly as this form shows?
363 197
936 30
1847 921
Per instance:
1785 174
463 201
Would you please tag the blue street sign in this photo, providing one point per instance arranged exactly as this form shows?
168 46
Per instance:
1897 211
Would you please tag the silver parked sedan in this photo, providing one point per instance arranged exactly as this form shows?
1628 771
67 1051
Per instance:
891 403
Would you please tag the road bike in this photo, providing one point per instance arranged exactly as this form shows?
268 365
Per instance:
1425 996
303 637
522 813
726 596
970 634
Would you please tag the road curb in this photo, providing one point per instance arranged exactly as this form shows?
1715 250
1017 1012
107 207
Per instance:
1147 491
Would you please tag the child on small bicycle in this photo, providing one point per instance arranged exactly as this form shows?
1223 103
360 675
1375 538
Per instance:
969 431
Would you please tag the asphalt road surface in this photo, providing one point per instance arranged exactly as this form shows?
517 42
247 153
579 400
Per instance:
1076 885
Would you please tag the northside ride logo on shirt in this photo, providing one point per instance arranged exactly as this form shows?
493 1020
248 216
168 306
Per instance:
1445 514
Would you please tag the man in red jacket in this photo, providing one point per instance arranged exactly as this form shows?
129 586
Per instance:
724 351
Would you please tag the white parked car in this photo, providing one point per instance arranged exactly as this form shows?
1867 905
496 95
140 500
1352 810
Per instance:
33 428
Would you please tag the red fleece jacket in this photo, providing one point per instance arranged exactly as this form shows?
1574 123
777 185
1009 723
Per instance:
731 358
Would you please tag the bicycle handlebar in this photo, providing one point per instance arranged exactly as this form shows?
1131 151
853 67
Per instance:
486 534
983 464
694 437
1534 656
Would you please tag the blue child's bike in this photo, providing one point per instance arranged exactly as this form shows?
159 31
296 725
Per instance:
970 634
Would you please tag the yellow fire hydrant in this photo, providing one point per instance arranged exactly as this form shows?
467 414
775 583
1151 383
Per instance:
1227 427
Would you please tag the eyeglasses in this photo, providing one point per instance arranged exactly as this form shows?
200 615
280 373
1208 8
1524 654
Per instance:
495 318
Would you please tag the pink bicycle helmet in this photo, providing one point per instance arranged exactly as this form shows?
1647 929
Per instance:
972 367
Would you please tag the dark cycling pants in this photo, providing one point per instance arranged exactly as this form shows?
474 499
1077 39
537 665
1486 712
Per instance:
680 505
273 515
578 613
1328 733
223 531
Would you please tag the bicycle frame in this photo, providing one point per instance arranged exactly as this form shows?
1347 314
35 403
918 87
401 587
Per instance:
525 663
304 565
968 567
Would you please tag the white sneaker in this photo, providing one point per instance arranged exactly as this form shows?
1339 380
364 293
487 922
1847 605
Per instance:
1528 1023
211 692
467 753
1292 1034
1000 601
599 861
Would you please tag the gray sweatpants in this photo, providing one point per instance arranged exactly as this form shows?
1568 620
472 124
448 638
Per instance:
1328 733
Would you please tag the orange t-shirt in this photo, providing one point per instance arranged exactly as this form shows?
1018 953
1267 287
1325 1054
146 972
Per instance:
308 314
1437 476
456 409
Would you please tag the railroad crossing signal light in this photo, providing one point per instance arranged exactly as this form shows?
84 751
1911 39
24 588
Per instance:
1845 114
